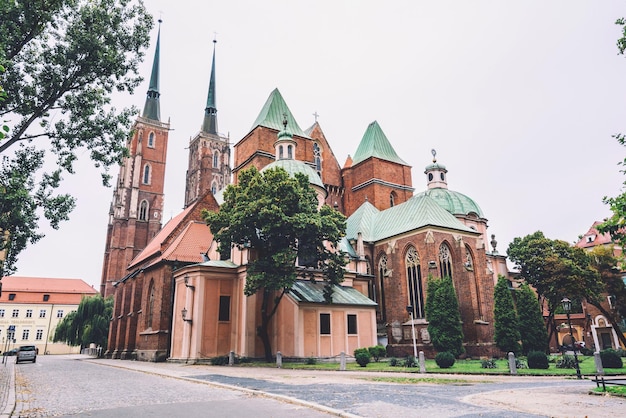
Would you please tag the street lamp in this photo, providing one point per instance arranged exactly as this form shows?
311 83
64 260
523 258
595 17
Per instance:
567 307
409 309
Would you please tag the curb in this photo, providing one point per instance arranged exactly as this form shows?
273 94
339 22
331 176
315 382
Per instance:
9 407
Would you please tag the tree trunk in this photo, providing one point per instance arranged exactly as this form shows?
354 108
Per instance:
263 329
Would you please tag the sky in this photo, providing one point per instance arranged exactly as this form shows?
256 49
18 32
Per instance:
520 99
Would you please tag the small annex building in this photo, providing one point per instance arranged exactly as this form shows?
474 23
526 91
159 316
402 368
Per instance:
34 306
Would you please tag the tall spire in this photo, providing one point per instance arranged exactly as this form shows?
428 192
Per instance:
209 125
151 109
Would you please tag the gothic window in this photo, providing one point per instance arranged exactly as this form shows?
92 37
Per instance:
143 210
146 174
151 140
215 159
445 261
392 199
317 155
150 304
213 187
280 152
383 272
290 152
414 278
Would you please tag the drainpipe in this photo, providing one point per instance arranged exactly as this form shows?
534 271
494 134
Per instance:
45 348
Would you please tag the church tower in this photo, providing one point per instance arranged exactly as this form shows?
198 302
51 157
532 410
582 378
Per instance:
209 152
136 210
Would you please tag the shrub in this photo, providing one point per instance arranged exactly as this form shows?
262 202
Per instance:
394 362
410 361
363 358
311 361
377 352
566 362
611 359
586 351
445 359
520 364
537 360
489 364
219 361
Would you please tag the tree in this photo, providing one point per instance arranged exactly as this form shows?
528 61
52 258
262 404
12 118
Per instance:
88 324
605 263
276 217
530 319
444 318
507 335
555 270
63 60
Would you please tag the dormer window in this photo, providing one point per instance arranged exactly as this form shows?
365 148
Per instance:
590 238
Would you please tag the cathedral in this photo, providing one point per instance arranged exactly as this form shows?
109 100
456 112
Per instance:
178 299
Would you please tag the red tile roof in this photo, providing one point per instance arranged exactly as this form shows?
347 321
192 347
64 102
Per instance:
593 238
47 285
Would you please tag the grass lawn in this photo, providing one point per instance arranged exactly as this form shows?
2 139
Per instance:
587 368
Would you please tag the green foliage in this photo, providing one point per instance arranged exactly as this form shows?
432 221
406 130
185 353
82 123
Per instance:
444 360
363 358
531 324
520 364
276 217
507 335
394 362
611 359
88 324
444 318
63 60
311 361
489 364
566 362
410 361
377 352
537 360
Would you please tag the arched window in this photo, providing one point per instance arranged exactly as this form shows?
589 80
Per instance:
383 272
143 210
290 152
215 159
392 199
445 261
151 140
280 152
317 155
414 279
214 187
150 307
146 174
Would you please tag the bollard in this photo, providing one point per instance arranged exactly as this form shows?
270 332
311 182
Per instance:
422 362
231 358
598 361
342 361
512 366
279 359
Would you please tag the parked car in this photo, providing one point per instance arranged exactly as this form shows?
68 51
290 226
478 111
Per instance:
10 352
26 353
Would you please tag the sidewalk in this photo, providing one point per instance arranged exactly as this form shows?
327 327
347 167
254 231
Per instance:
7 387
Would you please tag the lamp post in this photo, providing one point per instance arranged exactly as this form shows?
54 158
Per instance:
409 309
567 307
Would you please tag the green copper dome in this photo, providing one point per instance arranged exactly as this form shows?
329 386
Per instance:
294 166
454 202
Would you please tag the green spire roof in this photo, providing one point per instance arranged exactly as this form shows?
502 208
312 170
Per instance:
209 125
151 109
273 113
375 144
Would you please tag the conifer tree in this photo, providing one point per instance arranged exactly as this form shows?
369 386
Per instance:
507 335
444 318
531 324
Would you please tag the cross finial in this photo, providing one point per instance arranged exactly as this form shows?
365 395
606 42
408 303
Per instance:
285 121
160 17
214 37
316 115
434 153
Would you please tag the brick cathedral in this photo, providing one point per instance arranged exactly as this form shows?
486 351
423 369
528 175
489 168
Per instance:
177 299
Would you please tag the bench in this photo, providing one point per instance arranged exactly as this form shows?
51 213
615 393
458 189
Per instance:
601 380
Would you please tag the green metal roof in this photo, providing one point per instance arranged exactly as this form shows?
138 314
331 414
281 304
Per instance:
375 144
209 124
418 212
294 166
454 202
272 115
344 245
313 292
219 263
151 109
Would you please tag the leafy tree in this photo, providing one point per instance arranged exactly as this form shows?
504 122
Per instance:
605 263
444 318
277 218
530 319
555 270
507 335
88 324
63 60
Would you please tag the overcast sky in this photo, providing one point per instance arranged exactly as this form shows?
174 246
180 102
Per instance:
519 98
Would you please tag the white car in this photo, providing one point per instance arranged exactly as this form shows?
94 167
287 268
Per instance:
26 353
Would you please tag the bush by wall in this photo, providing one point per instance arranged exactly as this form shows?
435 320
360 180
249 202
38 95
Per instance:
445 359
537 360
611 359
377 352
